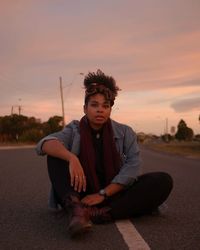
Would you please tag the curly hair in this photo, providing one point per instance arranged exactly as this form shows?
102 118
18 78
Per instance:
99 83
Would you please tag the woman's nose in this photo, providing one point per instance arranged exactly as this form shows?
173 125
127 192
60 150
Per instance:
100 109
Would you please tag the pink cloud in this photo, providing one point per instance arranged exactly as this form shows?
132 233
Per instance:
185 105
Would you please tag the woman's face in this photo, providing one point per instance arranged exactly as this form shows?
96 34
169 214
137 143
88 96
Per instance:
97 110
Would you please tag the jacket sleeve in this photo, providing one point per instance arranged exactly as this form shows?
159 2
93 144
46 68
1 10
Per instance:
131 159
64 136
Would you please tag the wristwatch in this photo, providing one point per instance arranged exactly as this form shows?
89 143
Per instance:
102 192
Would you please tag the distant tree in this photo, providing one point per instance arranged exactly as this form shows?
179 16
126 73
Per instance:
190 134
32 122
12 126
197 137
54 124
167 137
27 129
33 131
15 127
31 135
184 133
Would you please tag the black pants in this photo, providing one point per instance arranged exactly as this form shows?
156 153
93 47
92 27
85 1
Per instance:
146 194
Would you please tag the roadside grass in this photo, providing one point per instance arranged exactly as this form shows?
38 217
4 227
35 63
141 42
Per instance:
13 145
187 149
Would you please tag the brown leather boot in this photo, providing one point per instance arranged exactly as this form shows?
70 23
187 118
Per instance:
79 221
100 215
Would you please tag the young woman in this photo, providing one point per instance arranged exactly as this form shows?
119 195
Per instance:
94 164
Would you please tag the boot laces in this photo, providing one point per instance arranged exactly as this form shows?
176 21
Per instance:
99 215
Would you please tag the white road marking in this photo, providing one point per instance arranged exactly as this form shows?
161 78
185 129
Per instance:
131 236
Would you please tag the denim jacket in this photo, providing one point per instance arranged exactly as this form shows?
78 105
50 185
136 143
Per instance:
126 144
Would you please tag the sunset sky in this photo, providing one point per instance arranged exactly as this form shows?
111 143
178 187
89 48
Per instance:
150 47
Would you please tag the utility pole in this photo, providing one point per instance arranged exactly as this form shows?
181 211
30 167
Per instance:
61 94
166 131
62 101
19 110
20 107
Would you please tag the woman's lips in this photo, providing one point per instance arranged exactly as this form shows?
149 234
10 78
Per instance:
99 117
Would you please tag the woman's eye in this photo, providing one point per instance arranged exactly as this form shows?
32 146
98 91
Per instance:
94 105
106 106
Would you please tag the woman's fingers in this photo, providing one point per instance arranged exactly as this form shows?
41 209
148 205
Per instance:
72 179
78 182
84 183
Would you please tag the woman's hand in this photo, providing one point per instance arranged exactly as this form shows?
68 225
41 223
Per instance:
92 199
56 149
78 180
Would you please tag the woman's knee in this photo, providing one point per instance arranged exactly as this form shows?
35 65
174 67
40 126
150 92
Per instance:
159 177
160 182
166 180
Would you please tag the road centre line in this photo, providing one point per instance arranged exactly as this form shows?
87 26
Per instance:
131 236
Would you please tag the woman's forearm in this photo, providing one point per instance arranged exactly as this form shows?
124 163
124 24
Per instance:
56 149
113 188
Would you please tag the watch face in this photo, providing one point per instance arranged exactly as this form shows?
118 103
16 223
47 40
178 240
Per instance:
102 192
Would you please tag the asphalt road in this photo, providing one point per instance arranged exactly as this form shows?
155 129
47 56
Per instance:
26 223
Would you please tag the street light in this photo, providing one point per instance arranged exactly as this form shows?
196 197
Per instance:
61 95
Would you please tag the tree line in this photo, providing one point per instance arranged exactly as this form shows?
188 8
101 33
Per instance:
20 128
